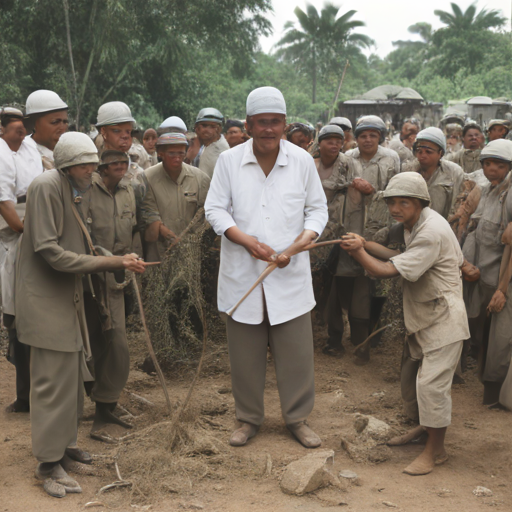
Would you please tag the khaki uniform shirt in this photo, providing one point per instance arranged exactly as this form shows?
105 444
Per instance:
173 203
139 155
468 159
433 303
345 206
483 247
210 154
110 219
404 153
52 255
443 186
378 171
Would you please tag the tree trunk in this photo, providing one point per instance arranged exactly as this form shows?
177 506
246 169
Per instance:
314 76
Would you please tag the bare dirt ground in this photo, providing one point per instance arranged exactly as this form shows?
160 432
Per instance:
204 473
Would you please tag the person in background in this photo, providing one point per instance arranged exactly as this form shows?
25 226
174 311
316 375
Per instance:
149 142
345 124
404 144
235 132
299 134
497 129
469 156
20 163
483 251
108 209
208 128
444 178
175 191
345 191
46 120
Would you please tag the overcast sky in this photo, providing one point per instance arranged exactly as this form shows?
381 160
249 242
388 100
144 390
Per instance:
386 20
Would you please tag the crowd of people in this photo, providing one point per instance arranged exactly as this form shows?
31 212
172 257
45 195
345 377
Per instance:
80 212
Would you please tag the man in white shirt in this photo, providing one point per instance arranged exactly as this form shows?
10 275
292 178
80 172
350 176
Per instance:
20 163
266 194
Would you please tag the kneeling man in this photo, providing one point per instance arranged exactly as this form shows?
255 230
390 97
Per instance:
434 312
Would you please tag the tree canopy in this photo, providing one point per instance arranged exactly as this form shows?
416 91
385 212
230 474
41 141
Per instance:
174 57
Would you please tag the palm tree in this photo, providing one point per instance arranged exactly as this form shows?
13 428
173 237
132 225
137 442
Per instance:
320 39
461 43
460 22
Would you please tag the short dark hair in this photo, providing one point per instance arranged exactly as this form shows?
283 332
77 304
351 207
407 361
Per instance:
470 127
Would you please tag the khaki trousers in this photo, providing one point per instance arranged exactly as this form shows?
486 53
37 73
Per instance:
109 349
56 396
426 382
291 344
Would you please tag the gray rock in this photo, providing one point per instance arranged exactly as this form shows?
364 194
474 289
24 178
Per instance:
308 473
482 491
380 453
349 475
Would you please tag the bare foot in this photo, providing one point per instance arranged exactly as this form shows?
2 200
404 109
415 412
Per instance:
407 437
422 465
441 458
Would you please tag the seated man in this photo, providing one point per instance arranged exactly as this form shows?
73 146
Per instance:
434 312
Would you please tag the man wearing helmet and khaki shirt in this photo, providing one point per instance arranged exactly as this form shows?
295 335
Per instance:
444 179
378 165
208 128
434 312
108 209
49 307
175 191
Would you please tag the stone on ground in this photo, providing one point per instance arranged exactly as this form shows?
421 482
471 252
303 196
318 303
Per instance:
308 473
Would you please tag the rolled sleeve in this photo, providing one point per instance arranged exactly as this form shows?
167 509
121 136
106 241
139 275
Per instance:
420 255
7 179
218 200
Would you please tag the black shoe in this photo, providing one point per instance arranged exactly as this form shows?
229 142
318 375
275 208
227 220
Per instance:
105 415
18 405
79 455
334 350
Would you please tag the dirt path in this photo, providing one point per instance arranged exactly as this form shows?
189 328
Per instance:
227 479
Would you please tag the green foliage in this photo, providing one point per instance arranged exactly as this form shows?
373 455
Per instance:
174 57
324 43
126 48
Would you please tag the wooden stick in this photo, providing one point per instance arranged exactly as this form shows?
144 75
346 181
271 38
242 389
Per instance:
150 345
362 346
290 251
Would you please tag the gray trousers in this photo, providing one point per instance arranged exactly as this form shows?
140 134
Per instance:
291 344
56 396
109 349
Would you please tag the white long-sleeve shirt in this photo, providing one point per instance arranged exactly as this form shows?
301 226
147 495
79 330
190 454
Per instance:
17 170
275 209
